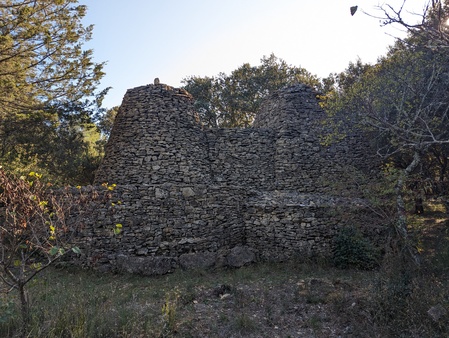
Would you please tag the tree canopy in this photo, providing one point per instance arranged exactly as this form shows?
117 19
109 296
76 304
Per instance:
431 26
48 84
233 100
403 98
42 62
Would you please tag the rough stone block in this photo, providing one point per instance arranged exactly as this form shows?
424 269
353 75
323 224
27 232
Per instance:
187 192
199 260
147 266
240 256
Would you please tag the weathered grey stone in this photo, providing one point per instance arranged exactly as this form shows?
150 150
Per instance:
147 266
187 192
199 260
142 251
437 312
221 194
160 193
221 258
240 256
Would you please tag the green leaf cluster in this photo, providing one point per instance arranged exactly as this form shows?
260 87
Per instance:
117 229
48 90
233 100
41 56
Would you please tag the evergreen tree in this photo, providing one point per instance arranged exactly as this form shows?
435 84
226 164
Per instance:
48 84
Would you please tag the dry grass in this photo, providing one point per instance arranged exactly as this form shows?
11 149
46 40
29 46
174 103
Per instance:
290 299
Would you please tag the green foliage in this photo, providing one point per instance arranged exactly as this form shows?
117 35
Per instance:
402 98
42 61
76 250
403 103
117 229
233 100
352 250
48 89
105 123
68 154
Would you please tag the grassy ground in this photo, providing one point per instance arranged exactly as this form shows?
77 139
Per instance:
291 299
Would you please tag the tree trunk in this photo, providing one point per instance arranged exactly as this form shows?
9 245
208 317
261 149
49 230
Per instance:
400 204
401 226
24 308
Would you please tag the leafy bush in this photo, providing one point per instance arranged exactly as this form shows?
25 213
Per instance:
352 250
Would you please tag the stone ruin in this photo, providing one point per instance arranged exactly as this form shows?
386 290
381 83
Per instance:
192 197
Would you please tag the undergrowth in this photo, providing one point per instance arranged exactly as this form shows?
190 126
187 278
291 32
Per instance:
296 299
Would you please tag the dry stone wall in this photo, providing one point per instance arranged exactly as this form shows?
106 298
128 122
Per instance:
195 198
155 139
242 157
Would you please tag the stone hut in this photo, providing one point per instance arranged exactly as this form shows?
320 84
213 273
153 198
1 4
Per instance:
191 197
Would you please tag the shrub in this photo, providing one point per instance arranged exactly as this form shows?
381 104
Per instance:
38 225
353 250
